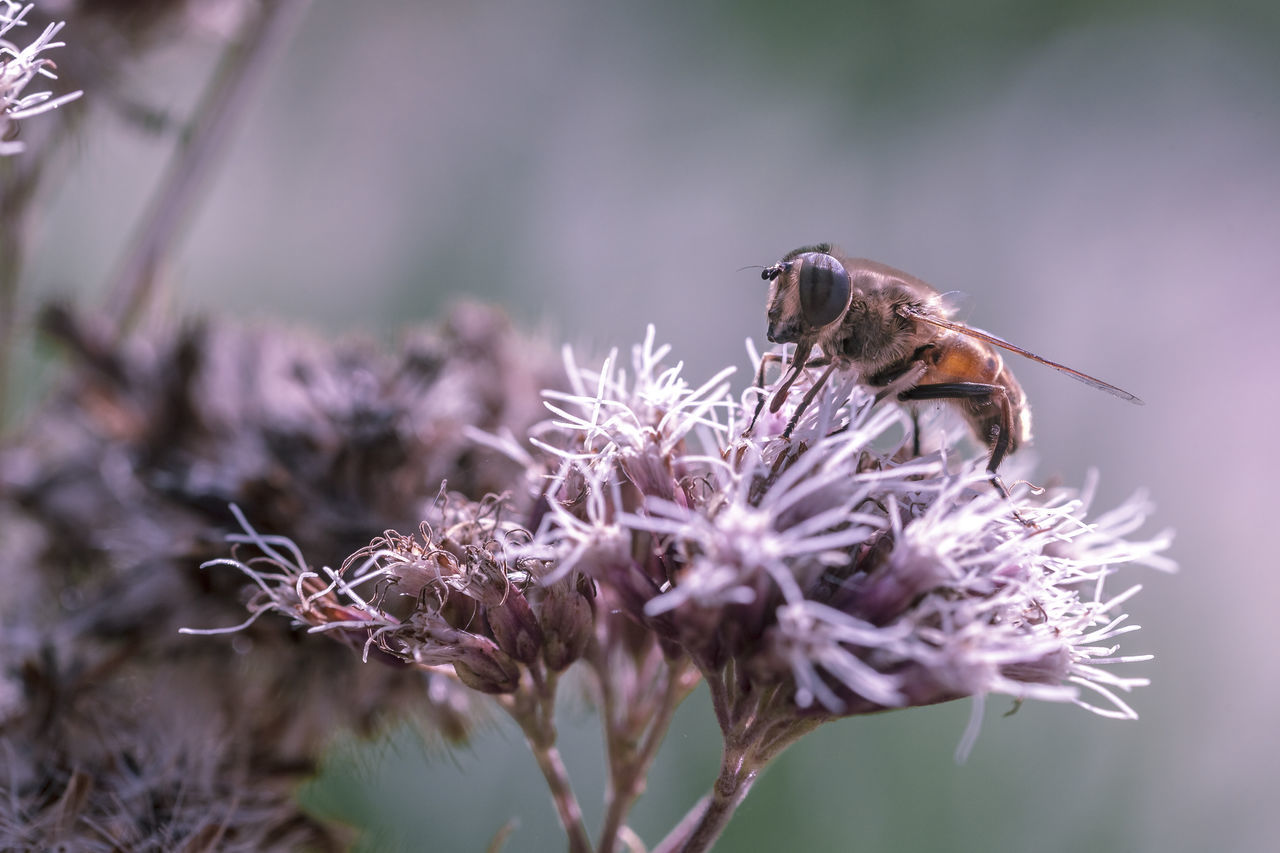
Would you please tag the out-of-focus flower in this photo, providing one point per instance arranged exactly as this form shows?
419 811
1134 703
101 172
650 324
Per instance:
117 732
19 66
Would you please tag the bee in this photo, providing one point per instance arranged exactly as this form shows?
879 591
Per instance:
893 329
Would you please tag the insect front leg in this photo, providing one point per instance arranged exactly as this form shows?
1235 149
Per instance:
798 363
766 360
810 394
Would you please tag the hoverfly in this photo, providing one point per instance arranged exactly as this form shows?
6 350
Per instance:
893 330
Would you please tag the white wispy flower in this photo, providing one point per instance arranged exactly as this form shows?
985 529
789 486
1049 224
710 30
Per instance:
582 530
785 530
834 559
19 66
821 643
638 421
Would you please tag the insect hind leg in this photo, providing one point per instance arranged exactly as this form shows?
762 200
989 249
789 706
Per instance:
998 422
999 427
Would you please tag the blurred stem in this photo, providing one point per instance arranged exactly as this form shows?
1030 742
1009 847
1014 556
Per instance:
757 732
738 772
533 709
557 776
10 267
503 835
225 98
633 745
19 176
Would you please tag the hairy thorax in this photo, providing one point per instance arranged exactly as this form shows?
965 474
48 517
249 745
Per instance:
873 334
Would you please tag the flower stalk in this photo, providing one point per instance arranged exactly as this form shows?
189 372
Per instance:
633 734
225 99
534 711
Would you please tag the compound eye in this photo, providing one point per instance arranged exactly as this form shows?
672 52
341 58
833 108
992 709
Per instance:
824 289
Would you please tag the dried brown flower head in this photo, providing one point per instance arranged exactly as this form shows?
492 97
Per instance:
119 487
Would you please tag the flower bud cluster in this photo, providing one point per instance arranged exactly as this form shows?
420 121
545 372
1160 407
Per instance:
452 597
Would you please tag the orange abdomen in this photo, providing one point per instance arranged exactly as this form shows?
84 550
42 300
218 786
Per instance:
957 358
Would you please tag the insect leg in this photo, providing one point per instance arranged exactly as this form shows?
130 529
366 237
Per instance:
798 364
808 398
799 361
999 427
898 383
765 360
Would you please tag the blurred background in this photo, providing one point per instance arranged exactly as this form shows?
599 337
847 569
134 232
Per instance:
1101 179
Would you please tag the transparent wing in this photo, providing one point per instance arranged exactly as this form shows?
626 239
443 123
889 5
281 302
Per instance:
1091 381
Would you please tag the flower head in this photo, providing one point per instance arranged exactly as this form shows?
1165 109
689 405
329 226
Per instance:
821 574
447 598
832 567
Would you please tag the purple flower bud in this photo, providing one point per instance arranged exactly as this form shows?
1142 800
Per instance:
567 626
1051 668
485 667
515 628
650 471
